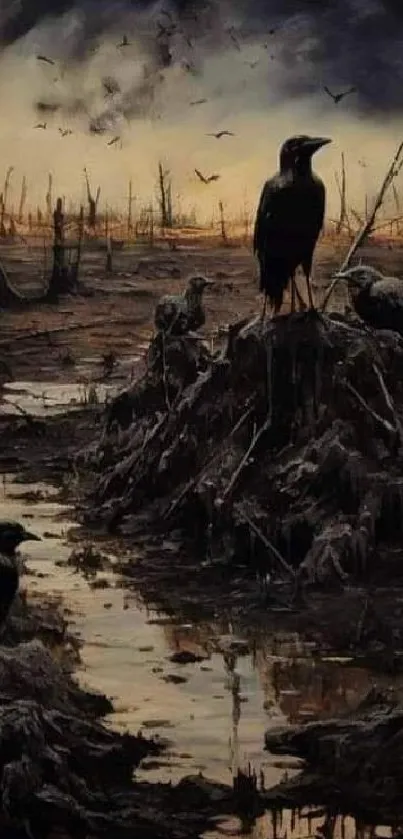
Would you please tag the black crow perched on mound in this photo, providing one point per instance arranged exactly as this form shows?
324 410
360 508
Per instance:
177 314
289 219
11 535
378 300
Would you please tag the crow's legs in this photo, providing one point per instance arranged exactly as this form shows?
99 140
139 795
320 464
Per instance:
293 292
264 309
307 267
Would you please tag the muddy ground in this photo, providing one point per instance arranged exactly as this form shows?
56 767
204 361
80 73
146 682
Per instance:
99 337
113 314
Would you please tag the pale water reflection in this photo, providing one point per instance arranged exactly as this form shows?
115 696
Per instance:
214 711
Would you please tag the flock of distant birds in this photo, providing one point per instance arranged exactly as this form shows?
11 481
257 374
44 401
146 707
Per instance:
111 87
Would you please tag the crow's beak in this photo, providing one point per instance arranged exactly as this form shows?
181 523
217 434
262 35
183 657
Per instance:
313 144
30 537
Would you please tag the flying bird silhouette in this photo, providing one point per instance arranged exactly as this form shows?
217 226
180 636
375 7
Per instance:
111 86
96 128
337 97
220 134
168 15
189 67
113 141
42 125
45 59
198 101
207 180
233 37
165 31
65 132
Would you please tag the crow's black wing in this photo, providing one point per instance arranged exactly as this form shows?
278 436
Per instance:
272 217
317 205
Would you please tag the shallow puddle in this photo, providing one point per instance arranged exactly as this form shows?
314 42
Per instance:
48 398
213 711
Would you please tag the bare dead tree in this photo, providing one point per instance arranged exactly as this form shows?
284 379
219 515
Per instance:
392 172
109 260
131 199
397 205
169 204
341 186
48 197
165 196
106 223
92 203
12 231
151 225
75 268
4 196
56 285
222 223
23 198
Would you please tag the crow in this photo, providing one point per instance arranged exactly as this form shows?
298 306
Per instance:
220 134
337 97
45 59
377 300
207 180
289 219
11 535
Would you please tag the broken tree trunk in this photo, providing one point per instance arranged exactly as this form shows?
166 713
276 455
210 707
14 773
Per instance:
92 203
3 203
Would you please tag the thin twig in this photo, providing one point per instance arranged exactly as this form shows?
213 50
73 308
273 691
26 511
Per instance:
277 555
164 372
366 229
193 481
389 401
383 422
238 471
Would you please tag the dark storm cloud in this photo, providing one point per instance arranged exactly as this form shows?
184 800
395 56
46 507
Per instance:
334 42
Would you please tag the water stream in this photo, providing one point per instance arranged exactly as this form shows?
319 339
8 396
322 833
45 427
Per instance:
213 718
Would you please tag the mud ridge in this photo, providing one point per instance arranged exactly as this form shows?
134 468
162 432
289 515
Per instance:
283 453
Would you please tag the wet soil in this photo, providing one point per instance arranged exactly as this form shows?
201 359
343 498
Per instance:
259 665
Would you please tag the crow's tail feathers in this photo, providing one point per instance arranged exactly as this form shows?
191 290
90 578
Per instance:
274 279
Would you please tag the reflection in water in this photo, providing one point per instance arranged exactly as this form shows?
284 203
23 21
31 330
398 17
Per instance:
214 711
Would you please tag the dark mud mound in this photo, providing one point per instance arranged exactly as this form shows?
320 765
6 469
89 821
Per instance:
56 760
62 770
352 765
283 452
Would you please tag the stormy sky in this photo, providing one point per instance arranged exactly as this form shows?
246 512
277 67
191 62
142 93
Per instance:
261 65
